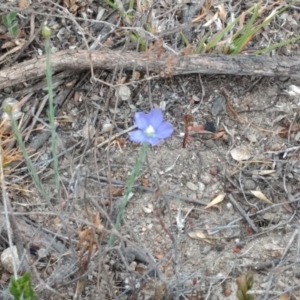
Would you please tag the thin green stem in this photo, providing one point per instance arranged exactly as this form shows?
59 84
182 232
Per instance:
51 112
28 161
132 178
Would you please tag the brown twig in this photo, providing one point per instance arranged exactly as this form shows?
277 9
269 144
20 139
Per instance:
243 213
190 64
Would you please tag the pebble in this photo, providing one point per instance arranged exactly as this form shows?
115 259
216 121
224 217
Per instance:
157 228
209 144
123 92
42 253
249 185
219 247
229 206
219 106
7 259
214 171
201 186
205 178
196 98
192 186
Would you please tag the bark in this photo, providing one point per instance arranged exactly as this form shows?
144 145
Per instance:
167 65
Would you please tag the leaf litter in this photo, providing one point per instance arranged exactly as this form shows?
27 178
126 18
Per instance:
266 161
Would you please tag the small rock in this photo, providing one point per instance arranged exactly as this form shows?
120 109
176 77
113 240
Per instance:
251 137
249 185
214 171
201 186
88 131
123 92
3 29
7 259
158 228
229 206
189 283
297 137
192 186
219 106
219 247
42 252
210 126
209 144
297 275
7 90
195 98
205 178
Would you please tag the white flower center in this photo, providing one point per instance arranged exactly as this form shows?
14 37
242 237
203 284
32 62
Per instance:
150 131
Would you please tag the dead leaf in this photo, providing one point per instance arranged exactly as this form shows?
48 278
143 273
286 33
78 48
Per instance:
108 42
187 50
149 209
71 5
88 131
285 296
216 200
199 235
240 154
122 80
212 20
236 249
77 97
222 12
23 4
117 191
293 90
98 223
70 83
266 172
145 182
8 45
196 128
221 134
261 196
79 287
136 75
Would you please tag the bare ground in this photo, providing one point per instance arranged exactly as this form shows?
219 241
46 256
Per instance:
152 256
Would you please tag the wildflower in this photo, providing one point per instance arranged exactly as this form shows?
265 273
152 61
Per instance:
151 127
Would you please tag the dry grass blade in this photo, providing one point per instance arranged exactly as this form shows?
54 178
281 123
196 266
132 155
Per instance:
216 201
261 196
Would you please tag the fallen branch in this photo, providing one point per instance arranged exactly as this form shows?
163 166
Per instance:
168 65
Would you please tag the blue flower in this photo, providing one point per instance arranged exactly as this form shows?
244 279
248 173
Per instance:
151 127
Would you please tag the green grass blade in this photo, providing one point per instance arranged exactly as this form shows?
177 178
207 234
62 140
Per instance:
239 43
220 35
132 178
275 46
185 40
27 159
51 113
201 44
254 30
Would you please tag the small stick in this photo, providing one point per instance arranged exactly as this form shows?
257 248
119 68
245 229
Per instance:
188 121
243 213
113 137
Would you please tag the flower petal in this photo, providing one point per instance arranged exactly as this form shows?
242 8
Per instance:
155 117
141 120
164 130
138 136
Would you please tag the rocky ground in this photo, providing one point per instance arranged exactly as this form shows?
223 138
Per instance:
215 201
